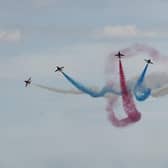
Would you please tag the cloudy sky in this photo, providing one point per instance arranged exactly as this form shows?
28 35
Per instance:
41 129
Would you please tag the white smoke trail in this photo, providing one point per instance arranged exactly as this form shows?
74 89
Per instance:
157 81
160 92
63 91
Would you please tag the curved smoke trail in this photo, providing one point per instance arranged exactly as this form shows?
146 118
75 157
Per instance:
70 91
128 104
140 91
141 48
89 91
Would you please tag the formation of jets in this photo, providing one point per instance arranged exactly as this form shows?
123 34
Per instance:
60 69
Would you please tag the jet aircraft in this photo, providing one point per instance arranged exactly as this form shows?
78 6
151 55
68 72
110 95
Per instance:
148 61
119 55
59 69
28 82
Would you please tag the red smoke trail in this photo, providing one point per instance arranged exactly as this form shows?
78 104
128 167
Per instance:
135 50
128 104
127 99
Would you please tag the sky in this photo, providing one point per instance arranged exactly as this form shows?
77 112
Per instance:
41 129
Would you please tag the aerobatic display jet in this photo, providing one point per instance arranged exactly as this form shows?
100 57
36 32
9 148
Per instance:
119 55
148 61
59 69
28 82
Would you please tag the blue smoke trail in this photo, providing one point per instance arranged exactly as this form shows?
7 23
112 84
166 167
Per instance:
89 91
140 91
